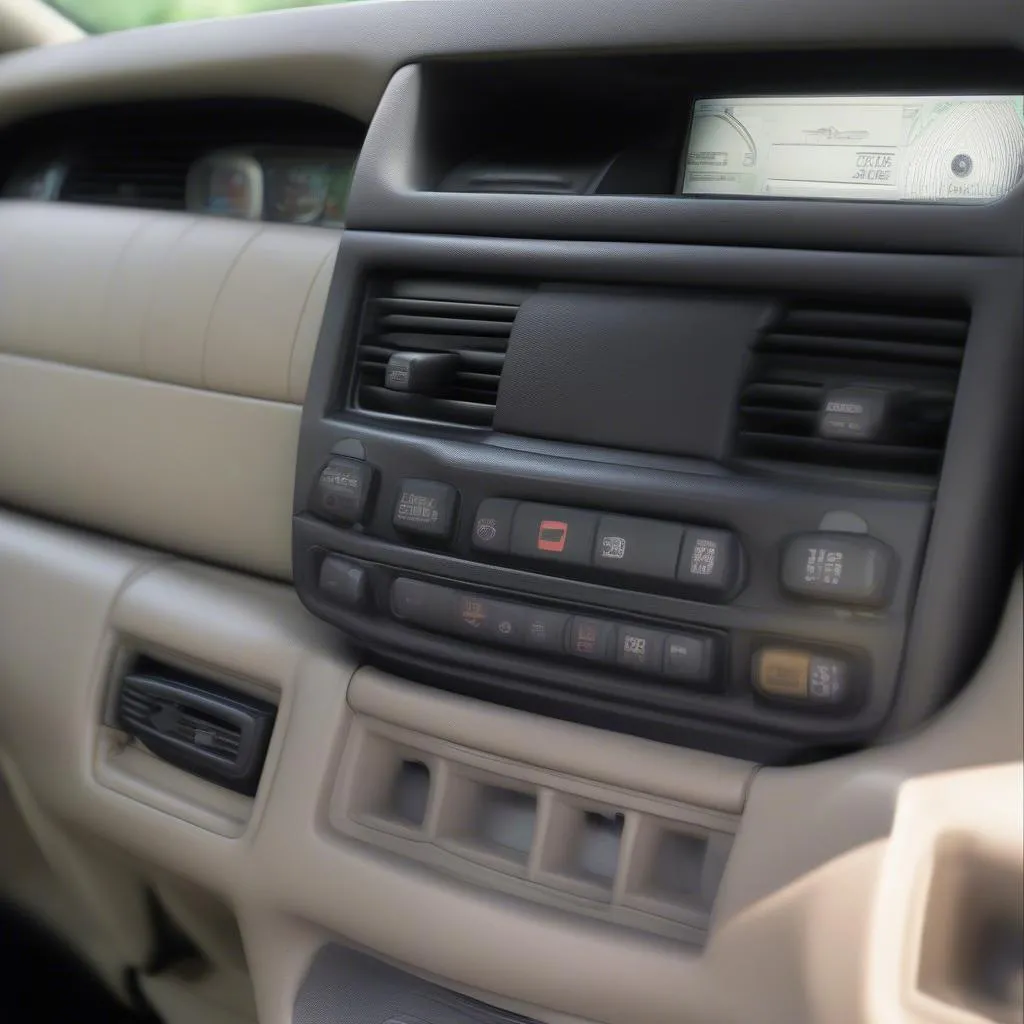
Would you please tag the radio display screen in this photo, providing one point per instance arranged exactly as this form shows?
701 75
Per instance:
936 149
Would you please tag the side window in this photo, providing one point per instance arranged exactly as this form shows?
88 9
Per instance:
114 15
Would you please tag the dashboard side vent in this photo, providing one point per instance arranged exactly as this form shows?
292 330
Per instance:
426 320
195 724
910 358
121 177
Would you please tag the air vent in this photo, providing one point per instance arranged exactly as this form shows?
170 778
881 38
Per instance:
553 179
470 321
142 709
910 360
196 724
125 178
525 183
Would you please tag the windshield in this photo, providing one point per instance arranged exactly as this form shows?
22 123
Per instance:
112 15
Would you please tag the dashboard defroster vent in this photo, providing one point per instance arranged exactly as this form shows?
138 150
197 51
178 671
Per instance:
420 320
813 357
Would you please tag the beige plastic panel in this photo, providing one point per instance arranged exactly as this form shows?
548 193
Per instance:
954 869
789 937
205 302
196 472
637 861
689 776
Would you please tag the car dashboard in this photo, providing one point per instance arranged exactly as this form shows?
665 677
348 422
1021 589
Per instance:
562 470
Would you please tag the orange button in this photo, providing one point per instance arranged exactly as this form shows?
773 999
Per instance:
780 672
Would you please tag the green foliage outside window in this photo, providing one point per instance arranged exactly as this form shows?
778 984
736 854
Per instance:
111 15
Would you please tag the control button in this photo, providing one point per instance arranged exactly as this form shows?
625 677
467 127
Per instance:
640 649
492 527
505 625
799 675
779 672
544 630
425 507
343 581
830 681
471 613
553 533
591 638
637 547
423 604
849 568
485 619
709 559
853 414
344 489
689 658
424 373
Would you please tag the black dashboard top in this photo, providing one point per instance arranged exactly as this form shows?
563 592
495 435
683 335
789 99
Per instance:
380 38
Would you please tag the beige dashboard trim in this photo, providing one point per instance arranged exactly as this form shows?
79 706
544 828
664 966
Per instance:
204 330
209 303
975 818
689 776
836 804
196 472
800 881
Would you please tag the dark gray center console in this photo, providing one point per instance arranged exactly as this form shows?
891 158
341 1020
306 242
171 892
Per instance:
695 492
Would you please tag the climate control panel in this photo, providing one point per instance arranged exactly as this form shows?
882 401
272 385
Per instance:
761 448
629 549
723 612
685 657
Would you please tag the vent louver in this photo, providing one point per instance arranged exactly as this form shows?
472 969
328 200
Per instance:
140 709
195 724
123 178
810 351
473 321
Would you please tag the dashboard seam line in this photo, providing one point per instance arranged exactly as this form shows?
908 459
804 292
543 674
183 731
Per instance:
108 291
159 381
332 254
220 291
147 324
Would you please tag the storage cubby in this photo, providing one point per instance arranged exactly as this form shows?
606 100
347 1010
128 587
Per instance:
488 820
678 866
410 792
582 848
393 785
675 869
615 856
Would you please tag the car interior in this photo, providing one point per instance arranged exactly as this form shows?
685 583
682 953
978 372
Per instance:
510 512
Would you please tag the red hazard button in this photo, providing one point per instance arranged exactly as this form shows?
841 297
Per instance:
552 533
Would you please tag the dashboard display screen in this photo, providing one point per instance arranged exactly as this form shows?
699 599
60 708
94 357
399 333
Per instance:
939 149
